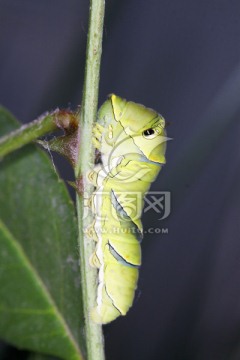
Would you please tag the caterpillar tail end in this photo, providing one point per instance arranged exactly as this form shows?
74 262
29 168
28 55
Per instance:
106 315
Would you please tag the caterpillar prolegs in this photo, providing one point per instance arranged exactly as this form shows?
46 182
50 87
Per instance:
132 142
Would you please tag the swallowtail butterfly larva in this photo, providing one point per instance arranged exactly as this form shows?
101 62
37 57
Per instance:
132 142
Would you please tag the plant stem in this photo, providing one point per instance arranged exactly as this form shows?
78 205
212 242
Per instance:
94 337
27 133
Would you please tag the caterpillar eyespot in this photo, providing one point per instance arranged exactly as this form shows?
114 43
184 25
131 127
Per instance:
131 140
149 133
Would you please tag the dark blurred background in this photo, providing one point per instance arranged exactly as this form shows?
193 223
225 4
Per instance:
181 58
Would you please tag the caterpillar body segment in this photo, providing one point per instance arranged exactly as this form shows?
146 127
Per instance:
132 141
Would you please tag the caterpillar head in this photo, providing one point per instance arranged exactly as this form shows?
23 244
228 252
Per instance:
145 126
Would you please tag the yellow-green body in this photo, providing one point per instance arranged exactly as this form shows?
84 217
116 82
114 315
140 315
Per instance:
132 143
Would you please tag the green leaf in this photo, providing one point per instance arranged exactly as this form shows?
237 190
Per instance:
40 299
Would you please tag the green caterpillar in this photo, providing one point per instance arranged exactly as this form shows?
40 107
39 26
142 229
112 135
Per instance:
132 142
